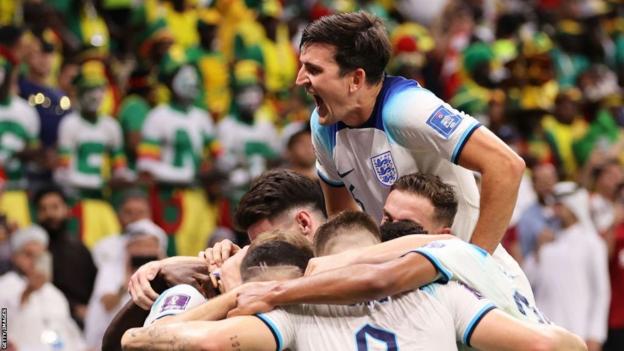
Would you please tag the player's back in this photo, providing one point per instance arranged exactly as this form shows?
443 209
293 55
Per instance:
428 319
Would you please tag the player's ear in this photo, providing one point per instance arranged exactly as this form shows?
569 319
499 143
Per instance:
304 222
358 80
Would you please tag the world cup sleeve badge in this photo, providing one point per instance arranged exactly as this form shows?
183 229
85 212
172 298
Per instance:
175 302
444 121
384 167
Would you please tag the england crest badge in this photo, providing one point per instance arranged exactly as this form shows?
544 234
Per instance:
384 168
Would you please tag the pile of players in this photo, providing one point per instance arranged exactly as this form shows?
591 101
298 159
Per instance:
310 283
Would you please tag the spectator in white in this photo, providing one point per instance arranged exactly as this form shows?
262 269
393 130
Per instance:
537 223
134 207
144 241
570 274
38 313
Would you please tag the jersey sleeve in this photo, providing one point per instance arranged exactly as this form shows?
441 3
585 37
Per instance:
470 264
212 147
282 326
323 140
66 142
149 147
33 127
116 146
467 308
418 120
467 263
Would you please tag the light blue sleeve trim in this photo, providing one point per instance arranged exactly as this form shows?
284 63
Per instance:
446 274
329 182
475 321
462 141
274 329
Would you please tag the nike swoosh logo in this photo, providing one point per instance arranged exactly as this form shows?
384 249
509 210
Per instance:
342 175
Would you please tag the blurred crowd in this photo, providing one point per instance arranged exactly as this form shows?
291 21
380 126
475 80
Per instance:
130 129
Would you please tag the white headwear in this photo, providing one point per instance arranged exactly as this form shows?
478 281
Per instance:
147 227
576 199
26 235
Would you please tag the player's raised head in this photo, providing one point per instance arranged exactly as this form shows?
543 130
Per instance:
359 39
424 199
347 230
277 255
281 199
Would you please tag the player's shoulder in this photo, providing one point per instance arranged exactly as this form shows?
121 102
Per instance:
406 101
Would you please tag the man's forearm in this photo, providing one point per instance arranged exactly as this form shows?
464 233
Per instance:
357 283
212 310
162 338
130 316
499 191
379 253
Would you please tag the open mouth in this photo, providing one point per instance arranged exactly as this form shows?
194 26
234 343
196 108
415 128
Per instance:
320 105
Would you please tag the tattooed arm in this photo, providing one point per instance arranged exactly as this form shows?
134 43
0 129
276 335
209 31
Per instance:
235 334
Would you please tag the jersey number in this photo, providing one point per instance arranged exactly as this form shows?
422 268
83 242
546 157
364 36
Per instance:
384 336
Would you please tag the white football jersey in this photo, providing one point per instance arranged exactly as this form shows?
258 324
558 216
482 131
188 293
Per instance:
470 264
83 147
173 143
410 130
19 127
432 318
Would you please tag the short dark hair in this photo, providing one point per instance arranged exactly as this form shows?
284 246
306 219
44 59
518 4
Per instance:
275 192
342 224
275 253
360 40
397 229
441 195
47 190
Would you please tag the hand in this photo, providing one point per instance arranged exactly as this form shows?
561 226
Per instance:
80 311
230 271
35 280
220 252
139 285
186 270
253 298
593 345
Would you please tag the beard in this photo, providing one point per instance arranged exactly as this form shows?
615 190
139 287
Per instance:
54 228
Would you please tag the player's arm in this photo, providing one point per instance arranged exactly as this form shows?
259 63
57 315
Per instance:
240 333
347 285
379 253
499 331
501 171
337 199
214 309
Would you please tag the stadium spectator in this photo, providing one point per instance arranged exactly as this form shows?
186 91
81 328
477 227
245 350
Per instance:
615 336
39 313
144 242
300 152
19 127
51 104
74 271
178 143
537 223
133 207
575 262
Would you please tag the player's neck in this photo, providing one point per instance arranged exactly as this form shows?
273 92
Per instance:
364 105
